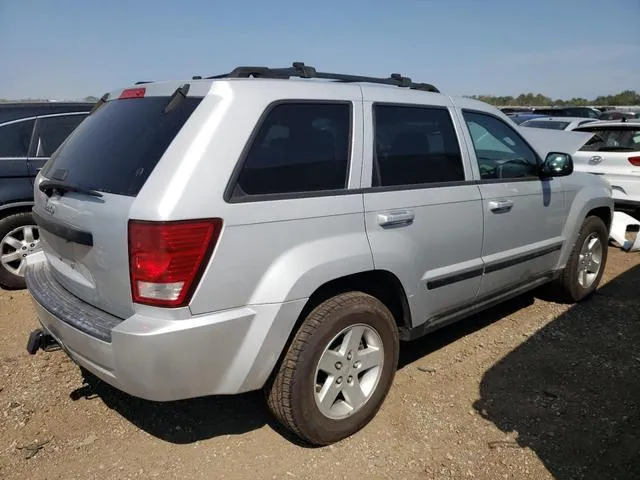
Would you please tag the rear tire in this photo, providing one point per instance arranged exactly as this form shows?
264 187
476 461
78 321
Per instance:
18 238
338 369
583 272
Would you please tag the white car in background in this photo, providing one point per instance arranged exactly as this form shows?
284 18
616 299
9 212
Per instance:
613 152
557 123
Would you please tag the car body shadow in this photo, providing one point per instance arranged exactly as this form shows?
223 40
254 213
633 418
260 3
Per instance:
572 390
434 341
187 421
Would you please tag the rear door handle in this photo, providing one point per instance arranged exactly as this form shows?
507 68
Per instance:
500 206
398 218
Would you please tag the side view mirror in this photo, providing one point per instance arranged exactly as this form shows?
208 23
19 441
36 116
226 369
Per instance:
557 165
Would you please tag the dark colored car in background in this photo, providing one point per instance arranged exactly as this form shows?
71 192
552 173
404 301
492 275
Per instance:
29 134
618 115
583 112
17 110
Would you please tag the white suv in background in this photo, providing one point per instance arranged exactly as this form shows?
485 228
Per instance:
614 152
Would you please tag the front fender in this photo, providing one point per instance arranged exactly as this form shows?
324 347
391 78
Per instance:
582 201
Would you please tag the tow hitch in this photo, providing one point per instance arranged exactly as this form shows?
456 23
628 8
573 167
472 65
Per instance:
38 339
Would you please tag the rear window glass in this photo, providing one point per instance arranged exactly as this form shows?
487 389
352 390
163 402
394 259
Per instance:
546 124
300 147
613 140
116 148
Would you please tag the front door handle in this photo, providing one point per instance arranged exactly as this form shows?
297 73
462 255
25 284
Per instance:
500 206
398 218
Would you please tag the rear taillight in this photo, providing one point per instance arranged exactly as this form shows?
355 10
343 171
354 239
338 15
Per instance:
634 161
166 259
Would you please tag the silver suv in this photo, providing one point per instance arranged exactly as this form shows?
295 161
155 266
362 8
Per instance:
262 230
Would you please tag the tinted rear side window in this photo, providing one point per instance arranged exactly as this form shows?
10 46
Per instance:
299 147
15 138
415 146
52 131
116 148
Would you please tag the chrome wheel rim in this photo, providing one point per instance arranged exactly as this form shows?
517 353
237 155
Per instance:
589 260
348 371
16 245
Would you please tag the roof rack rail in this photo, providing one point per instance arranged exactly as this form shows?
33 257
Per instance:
143 82
300 70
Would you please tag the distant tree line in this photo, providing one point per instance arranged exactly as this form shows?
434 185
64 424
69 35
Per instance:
627 97
40 100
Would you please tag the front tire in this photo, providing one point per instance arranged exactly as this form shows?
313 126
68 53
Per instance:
338 369
18 238
587 261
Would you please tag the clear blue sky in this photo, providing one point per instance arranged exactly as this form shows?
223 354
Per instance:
562 48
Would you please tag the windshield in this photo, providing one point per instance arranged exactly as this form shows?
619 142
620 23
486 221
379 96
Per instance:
613 140
116 148
552 125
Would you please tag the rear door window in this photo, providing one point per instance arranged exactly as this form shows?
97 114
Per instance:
299 147
15 138
415 146
52 131
116 148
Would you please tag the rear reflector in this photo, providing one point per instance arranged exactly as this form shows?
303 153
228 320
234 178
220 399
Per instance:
166 259
634 161
133 93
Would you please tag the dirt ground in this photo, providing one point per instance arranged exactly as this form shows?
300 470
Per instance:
530 390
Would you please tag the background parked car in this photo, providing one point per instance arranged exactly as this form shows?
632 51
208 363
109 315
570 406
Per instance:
614 152
557 123
16 110
519 118
512 110
25 146
584 112
618 115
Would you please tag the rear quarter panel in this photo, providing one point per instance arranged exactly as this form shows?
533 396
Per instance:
269 251
15 191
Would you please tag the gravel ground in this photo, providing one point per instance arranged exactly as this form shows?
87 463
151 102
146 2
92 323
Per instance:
530 390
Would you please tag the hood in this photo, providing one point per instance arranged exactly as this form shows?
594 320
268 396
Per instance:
544 140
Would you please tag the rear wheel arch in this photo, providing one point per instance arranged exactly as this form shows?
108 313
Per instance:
381 284
16 207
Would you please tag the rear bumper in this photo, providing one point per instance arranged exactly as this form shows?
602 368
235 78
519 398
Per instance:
161 359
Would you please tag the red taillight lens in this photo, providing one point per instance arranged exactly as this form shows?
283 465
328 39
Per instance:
133 93
634 161
166 259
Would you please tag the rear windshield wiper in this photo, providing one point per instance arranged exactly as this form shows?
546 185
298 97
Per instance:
50 186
